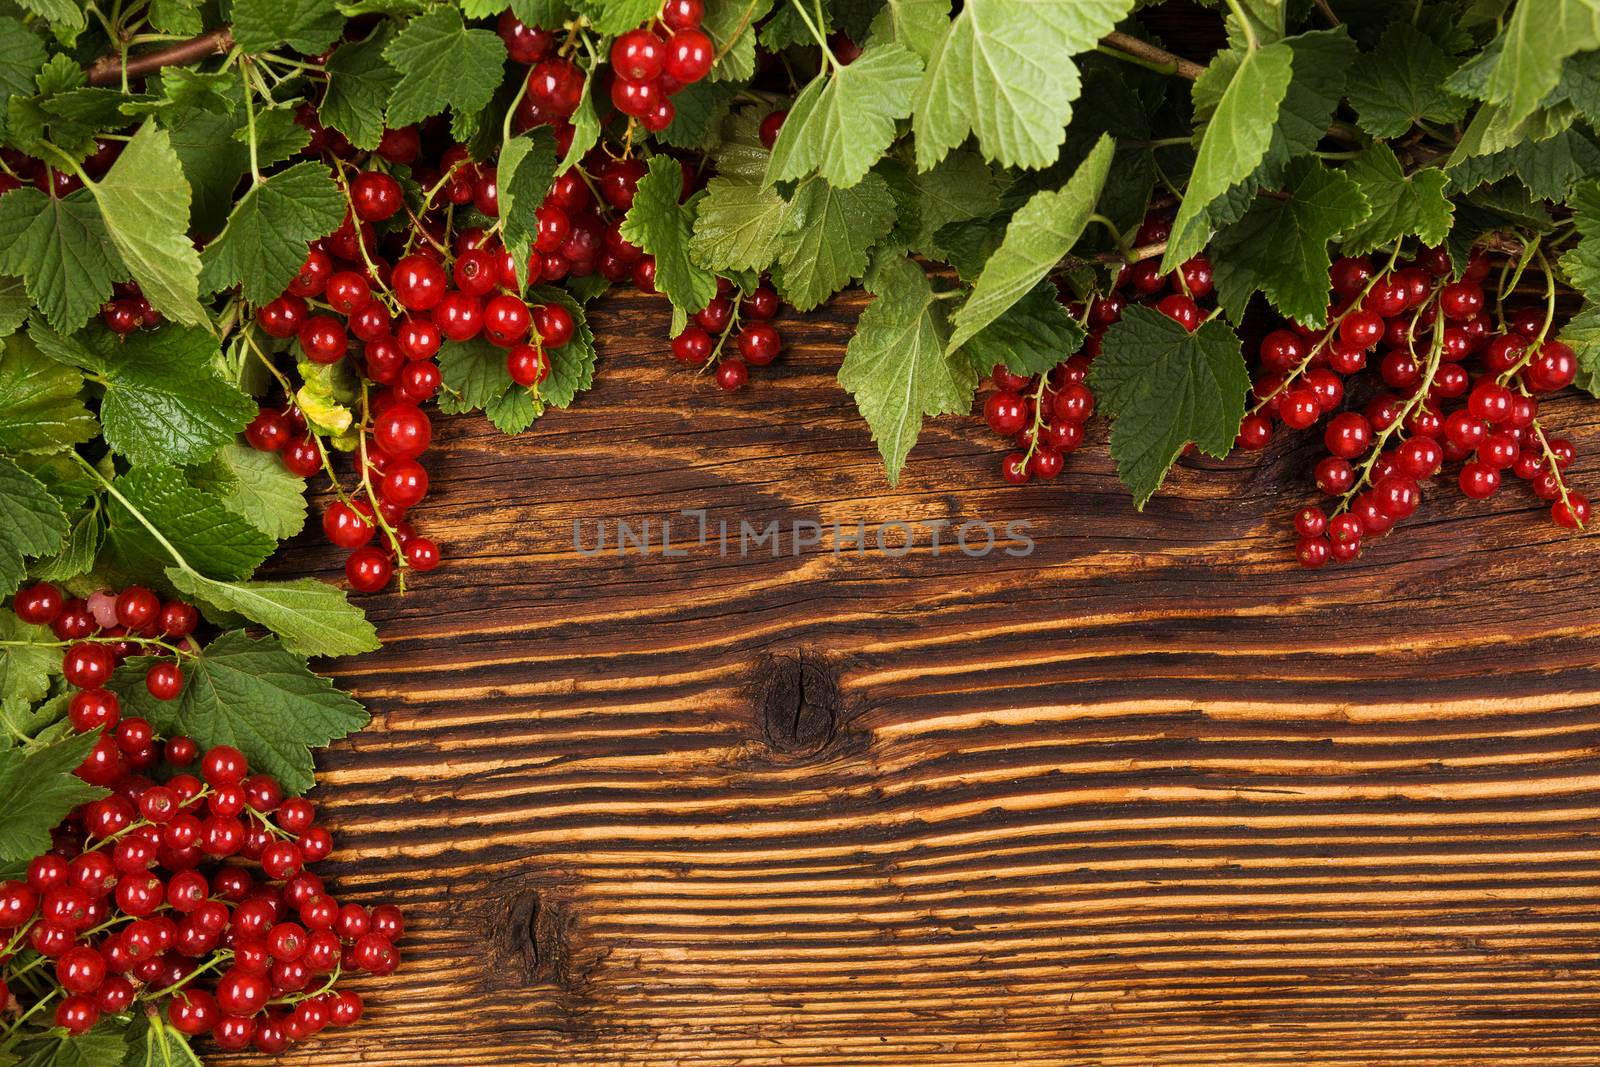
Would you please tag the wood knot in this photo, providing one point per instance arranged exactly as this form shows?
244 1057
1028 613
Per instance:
797 700
530 937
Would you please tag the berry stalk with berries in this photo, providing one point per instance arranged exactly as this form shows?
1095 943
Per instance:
251 257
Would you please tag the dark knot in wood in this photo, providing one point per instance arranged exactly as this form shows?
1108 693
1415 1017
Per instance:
798 703
529 935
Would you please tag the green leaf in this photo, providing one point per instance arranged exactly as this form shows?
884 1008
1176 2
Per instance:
261 248
1582 333
662 227
311 618
1401 205
85 532
1549 168
1537 39
844 120
1031 337
1039 235
199 527
1402 83
37 790
731 26
307 26
212 161
29 657
551 14
1235 141
21 55
701 109
571 365
475 370
278 136
183 90
895 365
830 234
959 188
1281 246
435 42
14 305
360 82
917 24
180 18
1004 71
153 1043
513 410
253 695
1167 388
41 401
738 225
164 400
256 487
1581 263
527 167
32 523
144 200
62 251
64 14
612 17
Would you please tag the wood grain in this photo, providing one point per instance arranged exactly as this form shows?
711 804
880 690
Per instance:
1150 796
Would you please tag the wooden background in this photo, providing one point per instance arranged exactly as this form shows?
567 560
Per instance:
1152 796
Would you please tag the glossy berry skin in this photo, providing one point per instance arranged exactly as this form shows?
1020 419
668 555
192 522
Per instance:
121 316
759 343
1005 413
459 316
1553 367
692 346
422 554
405 483
528 365
303 457
313 275
418 283
136 607
1312 552
1572 513
1348 435
554 323
403 431
1479 480
87 666
1490 402
1180 309
39 604
525 44
269 431
192 1011
164 681
732 374
556 85
323 339
1255 432
690 54
506 320
638 55
376 196
368 569
281 317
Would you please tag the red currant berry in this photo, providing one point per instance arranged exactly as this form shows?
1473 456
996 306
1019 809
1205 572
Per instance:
87 666
402 431
506 320
759 343
164 681
732 374
376 196
1479 480
418 283
690 54
39 604
368 569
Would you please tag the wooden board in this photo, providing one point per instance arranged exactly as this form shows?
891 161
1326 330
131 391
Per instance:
1149 796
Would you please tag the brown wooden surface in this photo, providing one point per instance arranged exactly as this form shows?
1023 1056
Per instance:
1152 796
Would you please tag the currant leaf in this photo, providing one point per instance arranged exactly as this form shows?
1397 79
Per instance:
60 247
256 487
829 236
196 525
440 41
571 365
311 618
738 225
29 658
41 401
262 246
1402 205
1280 247
32 523
844 120
1167 388
360 82
1403 83
527 167
1003 71
254 695
895 365
731 26
1038 236
307 26
1030 337
37 790
663 227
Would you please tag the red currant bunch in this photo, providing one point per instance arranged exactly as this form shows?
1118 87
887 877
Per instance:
732 334
1413 371
186 891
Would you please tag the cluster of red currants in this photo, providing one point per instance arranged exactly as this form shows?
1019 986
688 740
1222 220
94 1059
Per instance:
648 66
748 322
1045 414
1458 386
100 632
400 301
133 907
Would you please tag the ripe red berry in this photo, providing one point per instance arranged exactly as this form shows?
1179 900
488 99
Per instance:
554 322
528 365
1179 309
422 554
525 44
402 431
759 343
87 666
638 55
690 54
1479 480
732 374
405 483
418 283
40 604
323 339
770 127
506 320
1572 513
164 680
368 569
376 196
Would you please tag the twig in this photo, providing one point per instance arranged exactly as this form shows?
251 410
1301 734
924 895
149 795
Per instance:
1133 46
111 69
